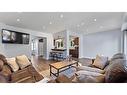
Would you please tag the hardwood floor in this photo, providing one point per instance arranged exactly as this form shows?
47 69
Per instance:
41 64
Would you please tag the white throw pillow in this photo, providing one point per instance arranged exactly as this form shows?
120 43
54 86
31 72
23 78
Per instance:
23 61
12 63
100 61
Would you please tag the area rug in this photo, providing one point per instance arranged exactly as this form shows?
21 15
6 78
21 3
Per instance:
69 73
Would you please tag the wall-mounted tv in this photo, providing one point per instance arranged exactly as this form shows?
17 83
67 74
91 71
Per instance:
13 37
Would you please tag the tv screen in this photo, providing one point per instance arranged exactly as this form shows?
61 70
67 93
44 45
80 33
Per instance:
9 36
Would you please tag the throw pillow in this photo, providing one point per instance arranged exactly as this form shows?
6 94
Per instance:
100 61
22 61
12 63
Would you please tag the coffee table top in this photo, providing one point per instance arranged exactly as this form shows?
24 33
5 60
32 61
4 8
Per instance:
62 64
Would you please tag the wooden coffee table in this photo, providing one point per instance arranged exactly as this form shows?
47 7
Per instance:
61 66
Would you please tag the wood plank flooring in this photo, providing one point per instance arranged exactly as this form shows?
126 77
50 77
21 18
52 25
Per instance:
41 64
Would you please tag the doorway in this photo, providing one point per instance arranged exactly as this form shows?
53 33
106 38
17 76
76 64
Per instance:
74 46
39 47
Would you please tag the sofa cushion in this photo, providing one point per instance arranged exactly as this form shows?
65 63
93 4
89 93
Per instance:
12 63
1 65
100 61
22 61
28 74
88 73
34 72
88 79
20 75
86 61
117 71
91 69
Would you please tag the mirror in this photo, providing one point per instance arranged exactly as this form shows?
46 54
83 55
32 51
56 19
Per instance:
59 43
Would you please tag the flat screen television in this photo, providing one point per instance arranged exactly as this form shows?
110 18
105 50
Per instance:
13 37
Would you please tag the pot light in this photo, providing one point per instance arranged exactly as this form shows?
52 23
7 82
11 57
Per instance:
43 27
50 22
95 19
101 27
61 16
18 19
82 23
78 25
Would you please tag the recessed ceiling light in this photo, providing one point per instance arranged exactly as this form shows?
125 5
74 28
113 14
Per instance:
61 15
82 23
50 22
43 27
78 25
101 27
18 19
95 19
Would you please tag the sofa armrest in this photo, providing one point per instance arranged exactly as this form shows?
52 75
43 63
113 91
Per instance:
28 79
19 75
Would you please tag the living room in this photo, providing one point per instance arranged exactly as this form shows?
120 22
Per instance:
67 47
99 37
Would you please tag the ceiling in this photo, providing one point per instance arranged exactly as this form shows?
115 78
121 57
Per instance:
51 22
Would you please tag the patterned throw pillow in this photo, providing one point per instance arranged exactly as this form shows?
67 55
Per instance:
100 61
22 61
12 63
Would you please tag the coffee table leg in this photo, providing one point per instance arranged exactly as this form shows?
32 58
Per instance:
77 64
57 72
50 70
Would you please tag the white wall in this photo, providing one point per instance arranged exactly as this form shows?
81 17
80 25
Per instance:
104 43
11 50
